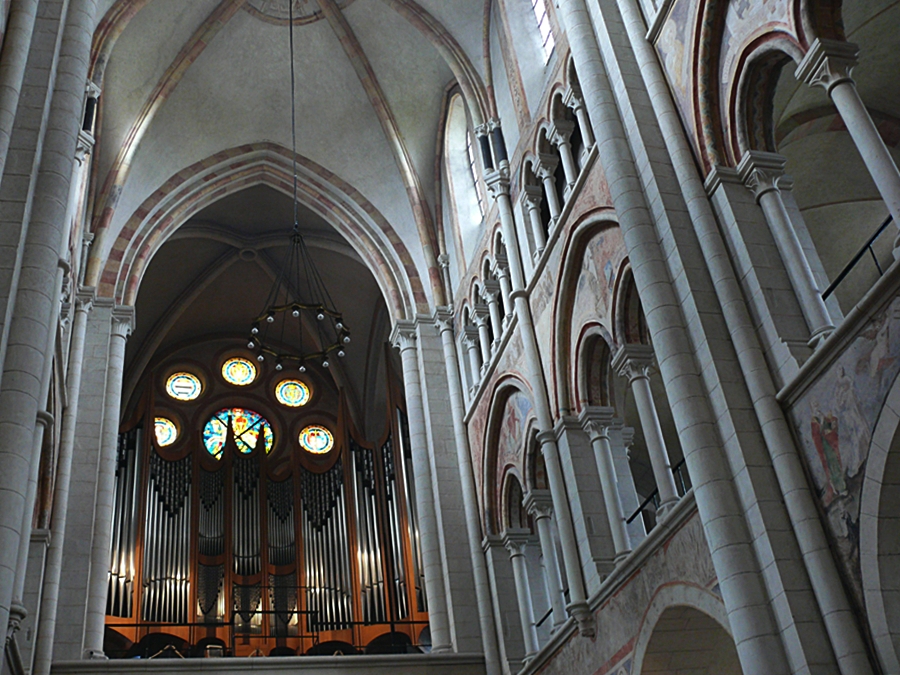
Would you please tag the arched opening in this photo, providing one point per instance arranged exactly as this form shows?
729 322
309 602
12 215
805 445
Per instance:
685 641
462 168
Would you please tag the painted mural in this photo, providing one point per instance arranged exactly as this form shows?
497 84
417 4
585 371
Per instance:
602 260
834 420
511 439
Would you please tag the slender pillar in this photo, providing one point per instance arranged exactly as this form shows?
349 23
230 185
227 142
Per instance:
634 362
98 583
444 325
498 184
484 334
515 541
575 101
828 64
597 422
501 269
531 201
438 617
561 138
491 294
471 340
539 504
760 171
50 594
546 171
34 313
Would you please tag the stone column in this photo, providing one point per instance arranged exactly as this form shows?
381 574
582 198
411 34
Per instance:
597 422
471 341
634 362
498 184
484 334
760 172
34 313
515 541
545 169
561 134
531 204
574 100
539 504
444 325
501 269
50 594
491 294
438 619
98 584
828 64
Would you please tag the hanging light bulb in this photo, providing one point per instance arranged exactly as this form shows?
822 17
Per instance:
302 368
255 328
270 317
261 357
296 312
320 316
324 364
278 366
346 339
251 344
341 354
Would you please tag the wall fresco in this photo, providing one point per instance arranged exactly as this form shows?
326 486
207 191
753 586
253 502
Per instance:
674 48
834 420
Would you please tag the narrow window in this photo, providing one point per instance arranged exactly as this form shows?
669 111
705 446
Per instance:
473 170
539 7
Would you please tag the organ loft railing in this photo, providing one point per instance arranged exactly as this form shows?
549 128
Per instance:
265 551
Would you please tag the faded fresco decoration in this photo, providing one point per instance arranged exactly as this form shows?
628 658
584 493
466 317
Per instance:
602 260
674 48
511 439
834 420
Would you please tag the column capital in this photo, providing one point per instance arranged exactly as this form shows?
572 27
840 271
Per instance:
84 146
546 165
500 267
516 539
828 63
443 320
470 337
493 123
760 171
403 335
122 321
482 130
497 183
596 421
480 314
561 131
17 614
573 97
633 361
45 418
539 504
532 196
84 298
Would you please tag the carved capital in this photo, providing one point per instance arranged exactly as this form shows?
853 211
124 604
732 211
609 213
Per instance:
587 626
828 63
443 320
539 504
760 171
493 123
596 421
561 131
84 146
573 98
633 361
470 338
84 299
532 196
516 541
546 166
497 183
122 321
403 336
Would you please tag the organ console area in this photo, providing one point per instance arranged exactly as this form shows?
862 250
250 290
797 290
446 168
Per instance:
253 517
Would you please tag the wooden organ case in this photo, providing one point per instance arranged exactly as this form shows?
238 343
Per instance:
259 552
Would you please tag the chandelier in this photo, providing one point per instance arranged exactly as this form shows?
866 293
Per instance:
298 297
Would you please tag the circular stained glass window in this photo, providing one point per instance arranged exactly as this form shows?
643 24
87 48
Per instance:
239 371
183 386
247 427
166 431
292 393
317 440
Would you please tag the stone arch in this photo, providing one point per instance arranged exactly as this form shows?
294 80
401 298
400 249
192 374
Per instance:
594 384
680 617
629 321
879 531
751 124
118 270
493 474
564 349
512 508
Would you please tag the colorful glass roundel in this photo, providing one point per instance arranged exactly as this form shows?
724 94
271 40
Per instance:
247 427
317 440
238 371
183 386
292 393
166 431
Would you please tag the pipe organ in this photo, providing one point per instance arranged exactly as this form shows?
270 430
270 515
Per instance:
250 539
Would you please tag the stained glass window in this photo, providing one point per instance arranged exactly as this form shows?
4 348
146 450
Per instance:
246 425
316 439
183 386
292 393
239 371
166 431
